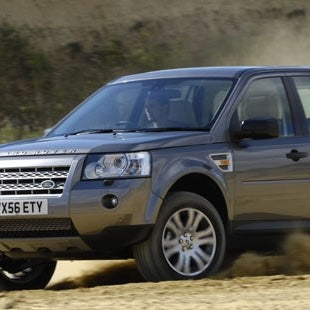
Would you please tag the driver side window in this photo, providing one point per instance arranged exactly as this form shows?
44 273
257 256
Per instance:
266 98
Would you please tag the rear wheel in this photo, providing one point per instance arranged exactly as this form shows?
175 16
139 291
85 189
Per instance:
25 274
188 240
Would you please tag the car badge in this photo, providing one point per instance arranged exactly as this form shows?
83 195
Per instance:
48 184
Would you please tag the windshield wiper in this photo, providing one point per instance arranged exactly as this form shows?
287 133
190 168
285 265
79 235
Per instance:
94 131
89 131
174 129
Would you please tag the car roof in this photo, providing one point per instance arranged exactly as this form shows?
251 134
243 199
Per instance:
217 72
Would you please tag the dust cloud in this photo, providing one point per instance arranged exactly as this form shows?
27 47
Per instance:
120 272
293 261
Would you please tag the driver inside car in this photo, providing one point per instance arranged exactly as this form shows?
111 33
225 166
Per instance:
157 110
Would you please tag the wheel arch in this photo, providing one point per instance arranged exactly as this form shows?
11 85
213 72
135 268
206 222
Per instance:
206 187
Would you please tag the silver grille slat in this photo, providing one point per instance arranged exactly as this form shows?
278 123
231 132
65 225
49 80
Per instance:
31 175
28 181
9 187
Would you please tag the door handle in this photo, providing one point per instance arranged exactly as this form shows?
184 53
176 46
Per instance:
295 155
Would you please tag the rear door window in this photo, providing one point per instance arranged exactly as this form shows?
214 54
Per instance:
303 89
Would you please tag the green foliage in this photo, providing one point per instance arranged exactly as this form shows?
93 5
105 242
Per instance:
24 80
38 88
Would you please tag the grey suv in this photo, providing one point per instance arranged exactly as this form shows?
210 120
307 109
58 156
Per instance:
170 167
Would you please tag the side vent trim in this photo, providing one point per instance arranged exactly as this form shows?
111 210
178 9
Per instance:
223 161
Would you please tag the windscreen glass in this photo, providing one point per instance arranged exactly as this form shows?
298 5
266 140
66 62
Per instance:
152 104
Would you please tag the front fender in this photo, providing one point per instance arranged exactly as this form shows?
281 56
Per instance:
170 166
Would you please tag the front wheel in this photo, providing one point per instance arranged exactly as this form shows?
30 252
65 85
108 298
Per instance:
25 274
188 240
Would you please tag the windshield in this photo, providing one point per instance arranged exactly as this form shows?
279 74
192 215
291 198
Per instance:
161 104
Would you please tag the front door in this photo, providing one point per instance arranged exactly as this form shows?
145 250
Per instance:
272 176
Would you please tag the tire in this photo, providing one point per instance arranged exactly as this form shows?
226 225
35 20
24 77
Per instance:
188 240
25 274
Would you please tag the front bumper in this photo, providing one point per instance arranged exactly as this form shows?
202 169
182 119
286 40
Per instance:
111 243
90 229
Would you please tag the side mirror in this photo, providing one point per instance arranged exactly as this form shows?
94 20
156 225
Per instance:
257 129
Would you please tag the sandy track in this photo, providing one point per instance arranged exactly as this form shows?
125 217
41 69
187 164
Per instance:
273 292
252 282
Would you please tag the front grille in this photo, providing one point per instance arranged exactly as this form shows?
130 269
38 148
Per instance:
35 228
30 181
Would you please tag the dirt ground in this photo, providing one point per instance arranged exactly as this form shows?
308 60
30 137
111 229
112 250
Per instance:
273 292
251 282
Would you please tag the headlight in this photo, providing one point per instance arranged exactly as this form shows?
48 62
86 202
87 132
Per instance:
109 166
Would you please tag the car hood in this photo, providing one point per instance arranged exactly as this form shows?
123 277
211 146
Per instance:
107 142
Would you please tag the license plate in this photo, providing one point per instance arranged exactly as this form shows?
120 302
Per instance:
23 207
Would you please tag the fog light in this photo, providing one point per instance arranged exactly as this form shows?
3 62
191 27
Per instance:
110 201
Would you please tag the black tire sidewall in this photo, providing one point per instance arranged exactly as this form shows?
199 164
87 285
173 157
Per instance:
37 280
